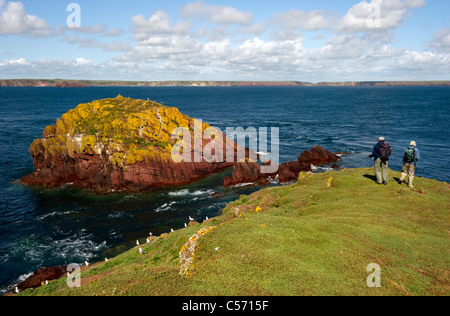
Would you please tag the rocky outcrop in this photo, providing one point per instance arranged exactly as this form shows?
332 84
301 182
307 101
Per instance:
41 276
126 144
250 172
119 144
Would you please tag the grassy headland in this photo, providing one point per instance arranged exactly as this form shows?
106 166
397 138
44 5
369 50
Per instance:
314 237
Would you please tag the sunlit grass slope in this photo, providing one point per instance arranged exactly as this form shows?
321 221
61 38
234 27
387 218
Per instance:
314 237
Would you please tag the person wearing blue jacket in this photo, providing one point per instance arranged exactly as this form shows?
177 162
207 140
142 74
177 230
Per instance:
381 166
411 155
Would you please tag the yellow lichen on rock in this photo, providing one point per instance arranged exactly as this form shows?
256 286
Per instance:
125 130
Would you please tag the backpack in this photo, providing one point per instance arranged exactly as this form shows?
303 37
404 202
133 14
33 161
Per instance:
410 155
385 152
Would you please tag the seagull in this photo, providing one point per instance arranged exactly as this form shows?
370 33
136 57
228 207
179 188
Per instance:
86 263
142 252
148 240
207 218
106 259
191 219
185 225
151 234
137 242
171 230
16 289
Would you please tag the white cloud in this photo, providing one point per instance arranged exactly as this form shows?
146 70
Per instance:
158 24
82 61
307 21
378 15
15 20
216 14
412 59
441 41
212 42
11 62
162 47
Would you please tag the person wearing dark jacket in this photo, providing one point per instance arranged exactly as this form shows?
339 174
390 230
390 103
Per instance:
411 155
381 167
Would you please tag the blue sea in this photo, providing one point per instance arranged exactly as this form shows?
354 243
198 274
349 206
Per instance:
51 227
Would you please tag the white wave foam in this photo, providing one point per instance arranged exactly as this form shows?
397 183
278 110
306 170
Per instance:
179 193
80 245
203 192
39 218
187 192
320 169
243 185
165 207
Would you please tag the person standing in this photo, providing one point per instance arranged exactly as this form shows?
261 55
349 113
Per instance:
411 155
381 153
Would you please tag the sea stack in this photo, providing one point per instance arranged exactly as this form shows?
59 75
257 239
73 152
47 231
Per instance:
117 144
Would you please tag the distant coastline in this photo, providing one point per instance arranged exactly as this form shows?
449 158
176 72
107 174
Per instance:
67 83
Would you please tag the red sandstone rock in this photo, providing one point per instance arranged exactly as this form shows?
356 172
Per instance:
318 156
251 172
94 172
136 155
42 275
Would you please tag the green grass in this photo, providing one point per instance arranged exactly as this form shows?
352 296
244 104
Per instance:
307 239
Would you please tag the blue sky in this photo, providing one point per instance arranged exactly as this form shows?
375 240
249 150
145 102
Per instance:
345 40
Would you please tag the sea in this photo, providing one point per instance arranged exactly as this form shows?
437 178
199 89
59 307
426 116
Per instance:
42 227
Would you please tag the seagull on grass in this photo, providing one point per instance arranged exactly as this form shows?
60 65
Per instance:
191 219
86 263
142 252
137 242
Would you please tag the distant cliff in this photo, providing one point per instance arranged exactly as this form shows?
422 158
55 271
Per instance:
62 83
384 84
100 83
42 83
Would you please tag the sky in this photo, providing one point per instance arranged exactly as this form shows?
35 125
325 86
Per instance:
311 41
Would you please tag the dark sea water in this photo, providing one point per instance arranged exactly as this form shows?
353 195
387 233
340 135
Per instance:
49 227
